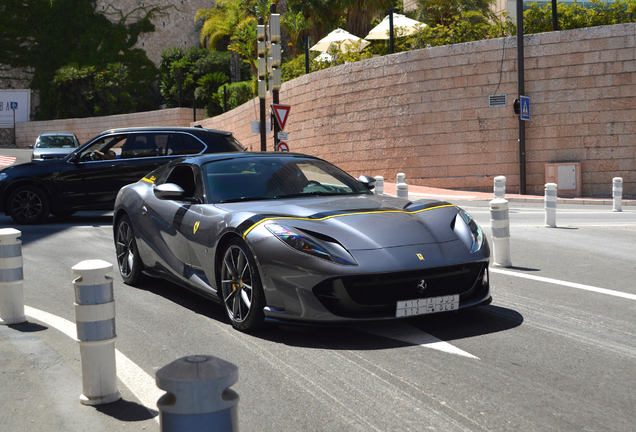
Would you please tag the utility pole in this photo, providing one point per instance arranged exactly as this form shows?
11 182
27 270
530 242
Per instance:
521 91
275 57
262 75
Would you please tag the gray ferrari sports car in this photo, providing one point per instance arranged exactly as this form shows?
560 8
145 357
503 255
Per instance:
291 238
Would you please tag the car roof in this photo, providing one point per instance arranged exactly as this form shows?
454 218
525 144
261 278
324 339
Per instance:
194 130
69 134
204 158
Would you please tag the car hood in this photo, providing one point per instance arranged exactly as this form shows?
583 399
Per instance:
357 222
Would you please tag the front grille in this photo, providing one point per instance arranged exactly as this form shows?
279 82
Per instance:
378 294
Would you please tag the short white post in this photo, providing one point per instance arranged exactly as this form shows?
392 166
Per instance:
379 185
11 277
500 187
198 396
500 226
617 193
550 204
95 318
402 189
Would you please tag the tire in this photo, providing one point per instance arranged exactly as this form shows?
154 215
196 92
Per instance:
241 287
128 260
28 205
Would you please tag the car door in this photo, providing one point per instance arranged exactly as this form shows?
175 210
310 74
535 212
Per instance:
168 225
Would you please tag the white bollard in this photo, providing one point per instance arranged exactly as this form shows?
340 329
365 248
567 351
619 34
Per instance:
617 193
500 226
95 318
379 185
11 278
550 204
500 187
402 190
198 396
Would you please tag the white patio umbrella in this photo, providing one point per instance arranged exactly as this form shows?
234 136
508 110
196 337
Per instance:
407 25
342 38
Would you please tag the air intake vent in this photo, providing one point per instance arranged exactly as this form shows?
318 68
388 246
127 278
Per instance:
497 100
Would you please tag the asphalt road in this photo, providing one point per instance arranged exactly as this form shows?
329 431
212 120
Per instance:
555 351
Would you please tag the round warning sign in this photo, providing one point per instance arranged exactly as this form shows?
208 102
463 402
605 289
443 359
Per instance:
282 147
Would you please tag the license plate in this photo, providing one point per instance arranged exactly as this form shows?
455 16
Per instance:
425 306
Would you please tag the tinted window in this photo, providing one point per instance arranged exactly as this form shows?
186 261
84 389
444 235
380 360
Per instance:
145 145
183 144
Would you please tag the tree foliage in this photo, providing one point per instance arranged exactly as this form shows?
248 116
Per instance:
185 73
42 36
446 12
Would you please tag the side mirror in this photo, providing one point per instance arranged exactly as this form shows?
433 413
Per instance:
367 181
169 191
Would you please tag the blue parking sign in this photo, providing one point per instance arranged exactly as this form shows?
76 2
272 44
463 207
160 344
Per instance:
525 107
14 105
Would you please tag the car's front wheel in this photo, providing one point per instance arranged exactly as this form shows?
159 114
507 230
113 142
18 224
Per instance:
241 287
128 259
28 205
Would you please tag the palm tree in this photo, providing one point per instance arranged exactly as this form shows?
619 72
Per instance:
294 25
222 21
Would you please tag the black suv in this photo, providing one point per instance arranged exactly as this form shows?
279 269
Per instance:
90 177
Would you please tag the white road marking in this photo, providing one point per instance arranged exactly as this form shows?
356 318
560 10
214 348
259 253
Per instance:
565 283
404 332
141 384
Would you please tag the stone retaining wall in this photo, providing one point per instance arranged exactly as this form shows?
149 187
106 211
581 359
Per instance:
426 113
86 128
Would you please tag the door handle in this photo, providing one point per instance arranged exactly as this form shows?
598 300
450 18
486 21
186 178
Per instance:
144 210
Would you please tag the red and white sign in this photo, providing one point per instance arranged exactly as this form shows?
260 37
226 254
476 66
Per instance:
281 112
282 147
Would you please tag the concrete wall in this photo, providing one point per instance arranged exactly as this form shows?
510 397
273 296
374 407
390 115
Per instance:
86 128
426 113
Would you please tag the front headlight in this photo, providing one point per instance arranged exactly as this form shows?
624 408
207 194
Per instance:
468 231
304 243
3 176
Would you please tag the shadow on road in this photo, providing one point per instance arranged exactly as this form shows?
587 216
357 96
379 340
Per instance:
463 324
53 225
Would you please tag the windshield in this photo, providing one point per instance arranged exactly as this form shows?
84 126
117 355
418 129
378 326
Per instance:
257 178
56 141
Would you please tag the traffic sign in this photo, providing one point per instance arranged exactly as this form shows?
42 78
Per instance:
14 105
283 136
281 112
282 147
525 107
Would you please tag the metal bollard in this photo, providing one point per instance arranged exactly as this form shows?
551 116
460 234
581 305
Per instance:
198 396
11 277
500 187
500 226
617 193
95 318
550 204
379 185
402 190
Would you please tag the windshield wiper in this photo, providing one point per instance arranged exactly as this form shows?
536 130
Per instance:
246 198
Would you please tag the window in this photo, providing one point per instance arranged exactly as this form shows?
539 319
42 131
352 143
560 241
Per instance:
182 144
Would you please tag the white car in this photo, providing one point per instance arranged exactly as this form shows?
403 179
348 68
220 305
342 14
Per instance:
54 145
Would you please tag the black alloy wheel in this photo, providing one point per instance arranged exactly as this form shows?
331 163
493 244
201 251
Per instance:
28 205
241 287
128 259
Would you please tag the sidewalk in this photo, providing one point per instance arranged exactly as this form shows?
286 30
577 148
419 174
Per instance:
443 194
